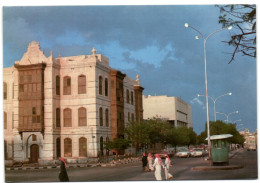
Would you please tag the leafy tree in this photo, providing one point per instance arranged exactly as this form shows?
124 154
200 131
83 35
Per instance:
158 130
242 17
138 134
219 127
117 144
181 136
201 138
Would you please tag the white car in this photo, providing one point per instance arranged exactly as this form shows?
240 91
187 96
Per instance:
183 153
198 152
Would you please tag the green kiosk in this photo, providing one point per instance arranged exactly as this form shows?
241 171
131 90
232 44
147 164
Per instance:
220 149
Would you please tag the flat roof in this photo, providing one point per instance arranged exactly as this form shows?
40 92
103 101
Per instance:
221 136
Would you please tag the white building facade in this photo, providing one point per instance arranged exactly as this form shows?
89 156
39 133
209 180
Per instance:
62 106
172 109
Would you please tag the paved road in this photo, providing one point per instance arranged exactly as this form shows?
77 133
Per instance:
132 172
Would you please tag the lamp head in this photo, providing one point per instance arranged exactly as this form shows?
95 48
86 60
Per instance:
198 95
229 27
186 25
196 37
229 93
236 111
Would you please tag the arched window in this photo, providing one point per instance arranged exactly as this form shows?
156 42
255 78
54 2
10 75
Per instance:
101 146
57 85
67 147
107 118
127 97
5 120
128 116
66 85
107 151
5 91
58 147
82 84
67 115
100 85
57 117
132 98
100 116
82 114
106 87
82 147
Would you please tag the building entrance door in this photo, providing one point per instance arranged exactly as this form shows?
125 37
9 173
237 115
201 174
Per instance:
34 153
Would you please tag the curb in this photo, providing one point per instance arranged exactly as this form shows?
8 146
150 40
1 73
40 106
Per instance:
72 166
233 167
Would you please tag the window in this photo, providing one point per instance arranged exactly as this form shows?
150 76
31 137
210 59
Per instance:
107 118
82 84
58 147
82 147
128 116
127 96
132 98
100 116
57 85
100 85
67 117
101 146
57 117
21 88
67 85
67 147
82 114
34 110
106 87
29 78
21 79
133 117
5 91
5 120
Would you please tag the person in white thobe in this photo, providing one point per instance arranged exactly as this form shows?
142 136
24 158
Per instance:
157 164
150 162
167 168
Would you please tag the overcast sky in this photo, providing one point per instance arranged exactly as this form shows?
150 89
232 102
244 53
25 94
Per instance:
150 41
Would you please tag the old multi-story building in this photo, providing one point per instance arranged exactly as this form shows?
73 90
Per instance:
172 109
65 106
250 139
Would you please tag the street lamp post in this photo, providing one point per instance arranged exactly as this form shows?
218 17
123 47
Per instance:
236 120
206 82
227 115
214 101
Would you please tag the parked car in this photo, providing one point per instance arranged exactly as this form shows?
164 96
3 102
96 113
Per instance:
163 153
183 153
198 152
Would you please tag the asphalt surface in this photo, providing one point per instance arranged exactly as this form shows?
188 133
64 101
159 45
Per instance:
182 169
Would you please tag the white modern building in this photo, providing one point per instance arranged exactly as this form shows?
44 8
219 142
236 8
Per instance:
172 109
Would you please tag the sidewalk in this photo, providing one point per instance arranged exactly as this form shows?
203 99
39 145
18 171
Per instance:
76 165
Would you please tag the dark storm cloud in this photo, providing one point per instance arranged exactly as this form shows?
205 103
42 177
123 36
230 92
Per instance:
147 40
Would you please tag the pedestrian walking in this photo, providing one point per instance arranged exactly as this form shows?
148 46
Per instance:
63 176
150 162
158 164
167 168
144 160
